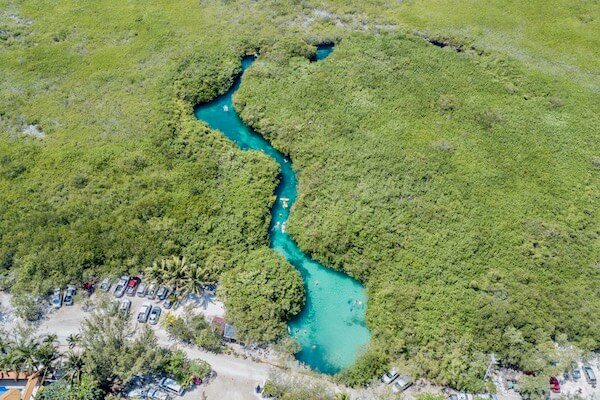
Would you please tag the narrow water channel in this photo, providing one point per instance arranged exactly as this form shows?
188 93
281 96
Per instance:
331 328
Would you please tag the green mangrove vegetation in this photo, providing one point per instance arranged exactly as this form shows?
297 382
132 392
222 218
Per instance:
461 187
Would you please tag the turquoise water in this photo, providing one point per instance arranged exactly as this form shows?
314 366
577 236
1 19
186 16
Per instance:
331 328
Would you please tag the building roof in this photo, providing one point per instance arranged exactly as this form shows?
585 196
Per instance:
229 332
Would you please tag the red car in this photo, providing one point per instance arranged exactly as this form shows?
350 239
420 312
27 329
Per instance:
132 286
554 385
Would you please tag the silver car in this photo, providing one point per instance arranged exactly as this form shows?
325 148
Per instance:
141 290
144 312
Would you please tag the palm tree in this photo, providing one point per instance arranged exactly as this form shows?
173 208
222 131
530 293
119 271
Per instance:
50 338
172 272
27 353
46 356
73 367
13 362
194 283
73 340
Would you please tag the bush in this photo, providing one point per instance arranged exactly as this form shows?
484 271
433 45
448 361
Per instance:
27 307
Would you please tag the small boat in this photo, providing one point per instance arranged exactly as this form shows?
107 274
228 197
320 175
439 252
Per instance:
283 227
225 108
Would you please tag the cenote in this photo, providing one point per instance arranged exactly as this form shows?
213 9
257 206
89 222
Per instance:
331 328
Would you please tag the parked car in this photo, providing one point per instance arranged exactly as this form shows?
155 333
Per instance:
125 306
121 286
389 376
155 393
105 284
554 385
132 286
141 290
144 312
154 315
401 384
137 394
151 294
162 293
575 371
171 386
71 290
57 298
168 304
120 290
590 376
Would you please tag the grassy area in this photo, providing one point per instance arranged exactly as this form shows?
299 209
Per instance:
559 38
460 188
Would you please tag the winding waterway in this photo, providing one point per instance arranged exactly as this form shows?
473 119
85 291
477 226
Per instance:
331 328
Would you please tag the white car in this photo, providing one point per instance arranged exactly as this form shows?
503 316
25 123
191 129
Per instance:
144 312
401 384
105 285
125 306
71 290
389 376
57 298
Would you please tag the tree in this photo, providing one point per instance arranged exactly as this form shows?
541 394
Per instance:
73 340
276 290
184 277
73 367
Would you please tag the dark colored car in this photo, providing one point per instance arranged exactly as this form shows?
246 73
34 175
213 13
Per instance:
554 385
132 286
154 315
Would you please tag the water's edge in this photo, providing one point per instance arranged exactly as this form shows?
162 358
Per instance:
331 328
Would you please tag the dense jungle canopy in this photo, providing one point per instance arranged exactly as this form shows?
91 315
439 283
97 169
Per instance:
459 182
